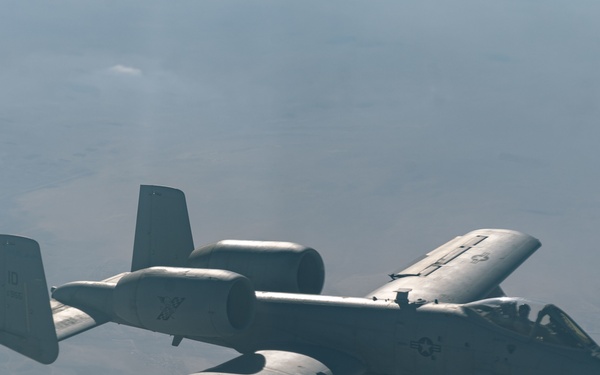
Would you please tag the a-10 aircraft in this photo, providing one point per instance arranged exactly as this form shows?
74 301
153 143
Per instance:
444 314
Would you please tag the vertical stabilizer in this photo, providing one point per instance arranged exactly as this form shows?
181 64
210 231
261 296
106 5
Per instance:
163 236
26 323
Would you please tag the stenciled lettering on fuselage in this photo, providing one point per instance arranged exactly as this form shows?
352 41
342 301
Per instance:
170 305
425 347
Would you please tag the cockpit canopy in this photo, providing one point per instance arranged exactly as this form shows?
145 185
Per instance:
544 323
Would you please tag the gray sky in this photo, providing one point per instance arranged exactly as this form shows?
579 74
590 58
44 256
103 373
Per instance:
372 131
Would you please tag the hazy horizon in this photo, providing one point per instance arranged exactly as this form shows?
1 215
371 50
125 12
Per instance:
371 131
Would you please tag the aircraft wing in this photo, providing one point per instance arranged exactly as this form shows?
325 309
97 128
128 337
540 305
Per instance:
465 269
279 362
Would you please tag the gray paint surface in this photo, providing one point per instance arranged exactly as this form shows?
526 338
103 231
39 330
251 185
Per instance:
371 132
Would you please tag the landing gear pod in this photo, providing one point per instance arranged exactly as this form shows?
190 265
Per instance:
271 266
185 302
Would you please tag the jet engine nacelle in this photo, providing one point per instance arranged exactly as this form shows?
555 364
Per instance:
271 266
185 301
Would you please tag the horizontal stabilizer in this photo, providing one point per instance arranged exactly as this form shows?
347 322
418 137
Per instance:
26 324
70 321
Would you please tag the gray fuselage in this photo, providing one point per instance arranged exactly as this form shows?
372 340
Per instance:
389 339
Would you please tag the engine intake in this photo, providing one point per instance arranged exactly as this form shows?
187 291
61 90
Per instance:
271 266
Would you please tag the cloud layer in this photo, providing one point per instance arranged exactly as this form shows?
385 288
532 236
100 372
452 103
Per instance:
125 70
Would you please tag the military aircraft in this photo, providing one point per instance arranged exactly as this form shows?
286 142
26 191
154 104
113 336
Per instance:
443 314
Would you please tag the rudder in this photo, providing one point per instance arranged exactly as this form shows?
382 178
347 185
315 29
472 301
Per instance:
163 236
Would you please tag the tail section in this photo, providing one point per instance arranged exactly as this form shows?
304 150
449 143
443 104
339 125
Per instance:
31 323
163 236
26 324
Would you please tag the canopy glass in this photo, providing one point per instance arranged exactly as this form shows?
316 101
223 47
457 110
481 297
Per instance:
543 322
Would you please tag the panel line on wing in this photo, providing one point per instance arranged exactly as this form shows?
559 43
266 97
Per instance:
452 254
